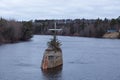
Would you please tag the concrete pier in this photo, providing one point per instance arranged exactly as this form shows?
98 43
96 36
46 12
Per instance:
51 59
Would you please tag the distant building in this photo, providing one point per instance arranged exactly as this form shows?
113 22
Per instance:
60 21
111 30
68 20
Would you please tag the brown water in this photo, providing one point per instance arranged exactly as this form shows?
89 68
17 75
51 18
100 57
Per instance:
84 59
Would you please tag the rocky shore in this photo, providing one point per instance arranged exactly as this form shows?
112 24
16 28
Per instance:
112 35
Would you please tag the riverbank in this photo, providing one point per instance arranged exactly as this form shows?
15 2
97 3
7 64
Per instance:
12 31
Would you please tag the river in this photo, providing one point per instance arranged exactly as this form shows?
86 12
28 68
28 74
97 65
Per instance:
83 59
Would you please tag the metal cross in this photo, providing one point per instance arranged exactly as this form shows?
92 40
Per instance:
55 30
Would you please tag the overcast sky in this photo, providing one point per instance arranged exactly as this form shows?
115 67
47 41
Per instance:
59 9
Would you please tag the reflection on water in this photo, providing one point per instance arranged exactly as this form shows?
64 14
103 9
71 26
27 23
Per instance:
52 74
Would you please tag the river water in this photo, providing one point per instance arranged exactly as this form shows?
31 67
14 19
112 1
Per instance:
84 59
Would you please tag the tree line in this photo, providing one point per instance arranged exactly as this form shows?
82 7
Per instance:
78 27
13 31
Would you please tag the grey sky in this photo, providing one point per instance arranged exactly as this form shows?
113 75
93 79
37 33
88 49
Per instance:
59 9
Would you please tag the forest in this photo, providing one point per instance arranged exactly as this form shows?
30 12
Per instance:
13 31
78 27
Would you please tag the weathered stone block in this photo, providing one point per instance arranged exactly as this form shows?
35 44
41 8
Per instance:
51 59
